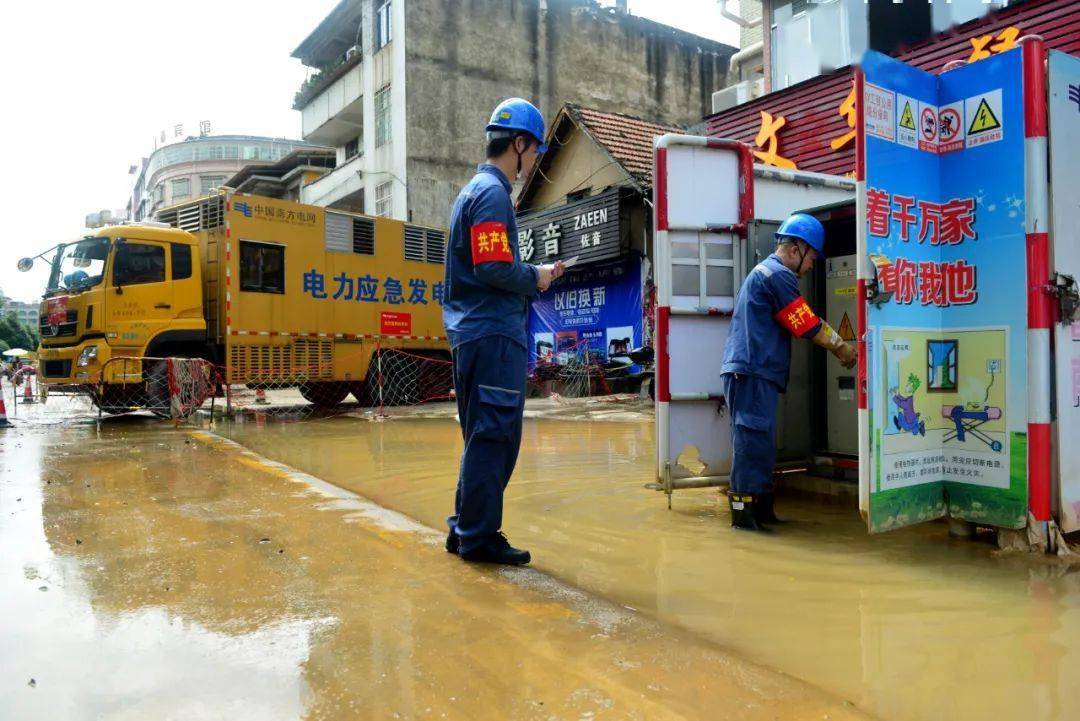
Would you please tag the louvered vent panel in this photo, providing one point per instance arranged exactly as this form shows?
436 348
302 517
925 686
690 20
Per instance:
339 232
363 236
436 247
414 243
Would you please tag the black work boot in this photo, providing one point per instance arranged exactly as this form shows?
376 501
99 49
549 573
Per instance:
453 543
742 512
763 508
497 550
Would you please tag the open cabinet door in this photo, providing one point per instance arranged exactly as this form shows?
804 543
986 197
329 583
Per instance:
1064 92
942 249
703 195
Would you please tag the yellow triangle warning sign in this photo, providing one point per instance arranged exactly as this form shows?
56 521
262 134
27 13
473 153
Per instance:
984 119
846 331
907 118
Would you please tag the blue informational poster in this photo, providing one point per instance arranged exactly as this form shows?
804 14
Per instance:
946 343
597 308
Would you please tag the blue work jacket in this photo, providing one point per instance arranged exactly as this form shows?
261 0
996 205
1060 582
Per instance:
768 312
487 285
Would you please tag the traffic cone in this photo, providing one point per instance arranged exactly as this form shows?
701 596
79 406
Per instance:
4 422
28 393
260 396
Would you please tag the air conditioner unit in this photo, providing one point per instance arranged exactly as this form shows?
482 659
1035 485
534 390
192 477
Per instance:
737 94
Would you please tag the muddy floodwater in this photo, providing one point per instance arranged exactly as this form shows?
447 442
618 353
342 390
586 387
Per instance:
908 625
152 573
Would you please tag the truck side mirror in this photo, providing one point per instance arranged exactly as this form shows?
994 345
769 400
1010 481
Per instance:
25 264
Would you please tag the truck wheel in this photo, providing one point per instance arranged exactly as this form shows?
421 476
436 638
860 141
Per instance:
324 395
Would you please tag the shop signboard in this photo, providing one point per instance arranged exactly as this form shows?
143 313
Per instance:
1064 117
588 229
596 309
947 345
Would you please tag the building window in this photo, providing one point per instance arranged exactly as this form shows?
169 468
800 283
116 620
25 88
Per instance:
208 183
353 148
384 199
382 117
139 263
262 267
181 188
159 193
383 26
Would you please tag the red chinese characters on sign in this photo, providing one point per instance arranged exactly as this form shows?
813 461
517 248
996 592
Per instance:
949 223
931 283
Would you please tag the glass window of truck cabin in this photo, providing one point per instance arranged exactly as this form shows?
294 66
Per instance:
262 267
137 263
181 261
79 265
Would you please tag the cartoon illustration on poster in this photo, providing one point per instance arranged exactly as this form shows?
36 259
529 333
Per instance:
945 230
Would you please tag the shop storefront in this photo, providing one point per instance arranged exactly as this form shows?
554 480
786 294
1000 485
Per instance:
590 322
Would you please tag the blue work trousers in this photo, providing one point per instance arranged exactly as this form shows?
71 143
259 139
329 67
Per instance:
489 380
752 403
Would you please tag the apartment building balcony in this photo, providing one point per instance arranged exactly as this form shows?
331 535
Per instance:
331 104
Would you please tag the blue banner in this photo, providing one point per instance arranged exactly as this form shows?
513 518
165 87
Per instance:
946 342
597 308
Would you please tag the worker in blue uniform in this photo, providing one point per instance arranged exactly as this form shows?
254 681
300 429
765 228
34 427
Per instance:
757 360
487 289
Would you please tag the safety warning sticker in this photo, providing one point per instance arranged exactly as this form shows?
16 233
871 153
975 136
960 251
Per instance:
880 111
846 331
951 127
907 131
928 130
984 119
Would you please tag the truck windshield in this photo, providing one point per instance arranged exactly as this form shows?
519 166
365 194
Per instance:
79 266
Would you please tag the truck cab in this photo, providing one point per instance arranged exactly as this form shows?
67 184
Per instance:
124 291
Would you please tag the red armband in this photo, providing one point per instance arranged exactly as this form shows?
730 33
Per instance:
797 317
490 244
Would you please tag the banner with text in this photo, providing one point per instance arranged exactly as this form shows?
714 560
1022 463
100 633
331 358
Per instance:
596 308
946 351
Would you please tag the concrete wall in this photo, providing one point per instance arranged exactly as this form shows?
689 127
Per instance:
578 159
464 56
750 10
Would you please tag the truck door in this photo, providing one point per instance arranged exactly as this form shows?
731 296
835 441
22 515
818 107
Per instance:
1064 81
139 304
703 201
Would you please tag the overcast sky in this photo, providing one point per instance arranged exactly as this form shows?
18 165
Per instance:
87 86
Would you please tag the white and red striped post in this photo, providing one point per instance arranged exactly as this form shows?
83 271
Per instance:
1040 309
864 272
662 256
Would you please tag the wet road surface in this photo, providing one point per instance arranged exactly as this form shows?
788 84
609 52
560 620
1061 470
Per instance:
152 573
908 625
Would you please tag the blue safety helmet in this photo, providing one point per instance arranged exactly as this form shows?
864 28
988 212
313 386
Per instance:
806 228
517 114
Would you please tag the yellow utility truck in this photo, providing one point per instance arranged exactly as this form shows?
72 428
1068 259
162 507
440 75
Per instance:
275 293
